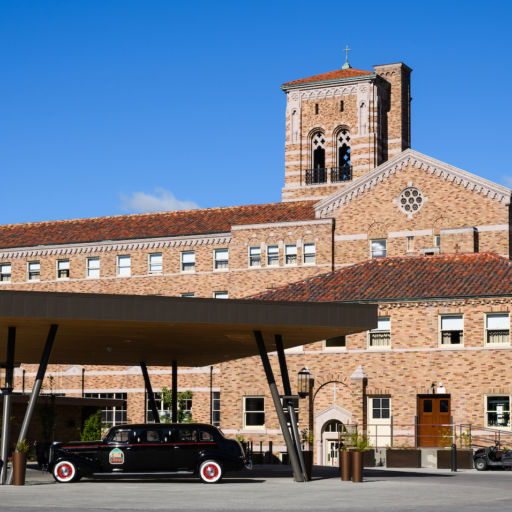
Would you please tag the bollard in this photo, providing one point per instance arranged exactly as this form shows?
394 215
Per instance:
454 458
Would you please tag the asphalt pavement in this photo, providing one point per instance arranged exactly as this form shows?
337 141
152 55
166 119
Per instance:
270 488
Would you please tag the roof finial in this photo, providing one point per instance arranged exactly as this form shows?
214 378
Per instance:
346 65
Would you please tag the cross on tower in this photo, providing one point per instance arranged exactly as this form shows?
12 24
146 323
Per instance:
346 65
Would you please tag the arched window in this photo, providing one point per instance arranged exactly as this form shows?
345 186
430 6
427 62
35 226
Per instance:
332 426
343 170
318 150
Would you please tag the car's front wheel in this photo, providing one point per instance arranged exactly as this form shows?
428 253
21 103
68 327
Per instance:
480 464
65 472
210 471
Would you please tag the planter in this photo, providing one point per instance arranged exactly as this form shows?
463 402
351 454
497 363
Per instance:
357 466
369 458
397 458
19 464
345 465
464 459
308 463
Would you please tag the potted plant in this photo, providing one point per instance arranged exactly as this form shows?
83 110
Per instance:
19 462
345 463
464 451
361 445
403 456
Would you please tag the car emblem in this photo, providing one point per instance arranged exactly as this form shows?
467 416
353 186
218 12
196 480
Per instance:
116 456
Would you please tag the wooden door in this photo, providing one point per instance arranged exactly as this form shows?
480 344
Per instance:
434 419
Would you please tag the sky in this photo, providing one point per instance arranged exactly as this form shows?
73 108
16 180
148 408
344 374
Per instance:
113 107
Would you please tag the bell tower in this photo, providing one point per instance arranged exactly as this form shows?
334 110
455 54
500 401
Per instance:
342 124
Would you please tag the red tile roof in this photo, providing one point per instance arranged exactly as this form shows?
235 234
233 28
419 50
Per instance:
331 75
407 278
151 225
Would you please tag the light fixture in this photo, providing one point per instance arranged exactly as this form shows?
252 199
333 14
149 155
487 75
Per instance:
303 379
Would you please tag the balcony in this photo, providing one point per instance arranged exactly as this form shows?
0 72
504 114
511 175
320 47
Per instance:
333 175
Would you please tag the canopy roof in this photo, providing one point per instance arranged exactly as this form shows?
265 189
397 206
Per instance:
126 329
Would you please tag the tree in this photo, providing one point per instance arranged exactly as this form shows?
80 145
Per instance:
92 427
184 416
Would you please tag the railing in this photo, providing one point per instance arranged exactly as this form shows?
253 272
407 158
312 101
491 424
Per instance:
335 175
464 435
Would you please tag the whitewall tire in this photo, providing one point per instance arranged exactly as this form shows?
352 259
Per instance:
65 472
210 471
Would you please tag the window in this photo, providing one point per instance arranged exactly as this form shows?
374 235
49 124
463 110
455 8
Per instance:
254 256
155 263
410 244
437 240
339 342
309 254
111 415
380 408
452 330
62 269
410 200
497 328
188 261
381 337
341 105
124 265
205 436
186 435
497 411
5 272
220 295
254 411
165 412
316 108
93 267
378 248
343 150
273 256
120 436
188 294
221 259
290 252
34 270
216 408
318 155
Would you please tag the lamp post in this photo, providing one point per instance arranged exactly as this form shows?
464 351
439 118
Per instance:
305 382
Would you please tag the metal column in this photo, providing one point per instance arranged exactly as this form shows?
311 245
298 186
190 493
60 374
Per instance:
149 391
174 392
45 356
289 405
7 392
297 473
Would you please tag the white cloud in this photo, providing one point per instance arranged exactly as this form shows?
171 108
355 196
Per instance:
160 200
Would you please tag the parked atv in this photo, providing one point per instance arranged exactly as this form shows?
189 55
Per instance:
492 457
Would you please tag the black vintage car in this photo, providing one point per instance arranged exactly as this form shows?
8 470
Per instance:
149 449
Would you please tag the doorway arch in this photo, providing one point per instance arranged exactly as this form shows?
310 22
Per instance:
324 433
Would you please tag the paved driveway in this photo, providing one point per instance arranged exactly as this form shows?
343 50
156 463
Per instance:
271 488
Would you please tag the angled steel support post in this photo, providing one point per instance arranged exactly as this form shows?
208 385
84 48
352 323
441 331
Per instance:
297 473
174 392
149 391
7 392
37 387
289 405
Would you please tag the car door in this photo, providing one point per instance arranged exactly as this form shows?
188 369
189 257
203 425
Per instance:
152 452
185 448
117 453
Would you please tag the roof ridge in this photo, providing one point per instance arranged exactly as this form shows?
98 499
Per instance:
166 212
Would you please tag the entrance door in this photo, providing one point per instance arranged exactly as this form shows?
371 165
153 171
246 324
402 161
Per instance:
434 419
331 453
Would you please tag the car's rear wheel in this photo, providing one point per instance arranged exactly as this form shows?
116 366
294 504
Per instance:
210 471
65 472
480 464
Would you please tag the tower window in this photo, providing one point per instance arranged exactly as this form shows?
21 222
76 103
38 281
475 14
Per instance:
316 108
341 105
343 146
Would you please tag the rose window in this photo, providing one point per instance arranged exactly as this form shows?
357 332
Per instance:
410 200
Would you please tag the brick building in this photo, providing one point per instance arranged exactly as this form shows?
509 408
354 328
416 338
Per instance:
358 204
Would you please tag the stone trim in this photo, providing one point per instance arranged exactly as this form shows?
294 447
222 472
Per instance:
456 231
346 238
109 246
428 165
419 232
78 391
134 370
282 224
496 227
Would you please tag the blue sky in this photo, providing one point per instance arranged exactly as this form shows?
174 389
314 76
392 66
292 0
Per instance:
111 107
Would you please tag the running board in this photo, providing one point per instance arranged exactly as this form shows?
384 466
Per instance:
152 473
